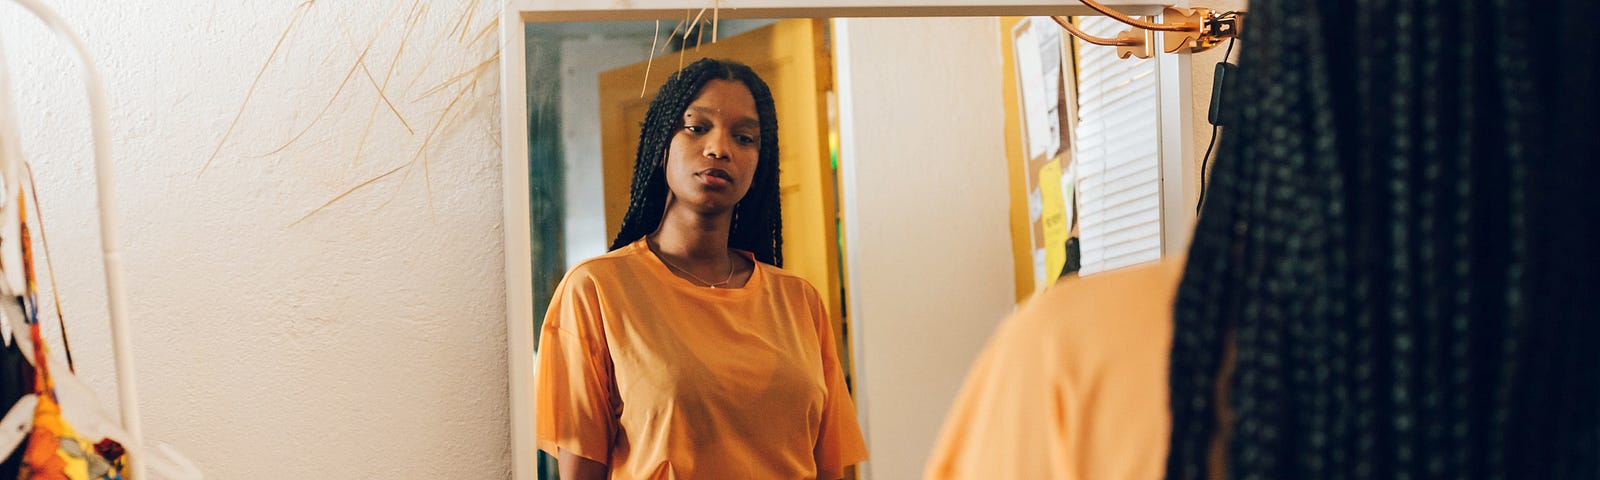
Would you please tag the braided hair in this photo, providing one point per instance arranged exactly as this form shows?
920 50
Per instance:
1364 254
757 220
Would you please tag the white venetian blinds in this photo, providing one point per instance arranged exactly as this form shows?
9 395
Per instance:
1117 155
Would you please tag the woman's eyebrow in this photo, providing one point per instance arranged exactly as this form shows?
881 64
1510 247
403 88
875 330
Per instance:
749 122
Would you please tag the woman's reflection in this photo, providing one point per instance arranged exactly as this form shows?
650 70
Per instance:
686 352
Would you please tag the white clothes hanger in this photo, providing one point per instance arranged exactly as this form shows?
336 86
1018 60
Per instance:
79 405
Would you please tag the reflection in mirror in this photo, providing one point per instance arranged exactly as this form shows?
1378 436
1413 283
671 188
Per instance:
590 85
590 88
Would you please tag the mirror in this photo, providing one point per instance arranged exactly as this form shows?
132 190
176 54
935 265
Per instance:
914 216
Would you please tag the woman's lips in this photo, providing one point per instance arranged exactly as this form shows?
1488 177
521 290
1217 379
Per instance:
715 177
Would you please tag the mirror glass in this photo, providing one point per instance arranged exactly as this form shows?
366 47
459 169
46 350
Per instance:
1081 131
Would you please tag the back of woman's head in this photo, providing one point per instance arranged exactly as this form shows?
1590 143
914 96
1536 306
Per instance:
757 220
1378 250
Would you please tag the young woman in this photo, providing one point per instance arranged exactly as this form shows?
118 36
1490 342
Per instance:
1384 281
686 352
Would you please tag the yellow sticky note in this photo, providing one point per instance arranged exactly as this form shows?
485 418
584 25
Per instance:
1054 220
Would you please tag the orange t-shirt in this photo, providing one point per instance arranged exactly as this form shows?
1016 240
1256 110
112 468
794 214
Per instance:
659 378
1073 387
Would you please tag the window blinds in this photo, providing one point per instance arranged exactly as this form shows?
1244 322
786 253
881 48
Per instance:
1117 155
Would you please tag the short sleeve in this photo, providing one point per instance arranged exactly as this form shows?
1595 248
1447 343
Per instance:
576 401
839 441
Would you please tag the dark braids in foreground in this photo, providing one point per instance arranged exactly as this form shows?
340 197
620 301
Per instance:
1388 249
757 221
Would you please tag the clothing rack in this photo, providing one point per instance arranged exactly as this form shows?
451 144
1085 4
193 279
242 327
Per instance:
127 391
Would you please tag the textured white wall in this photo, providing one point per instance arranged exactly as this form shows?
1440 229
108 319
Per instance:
924 182
366 342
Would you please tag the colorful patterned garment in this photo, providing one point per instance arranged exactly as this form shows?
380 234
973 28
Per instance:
55 451
16 381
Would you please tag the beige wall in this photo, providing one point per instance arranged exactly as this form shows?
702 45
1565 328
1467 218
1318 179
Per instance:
924 194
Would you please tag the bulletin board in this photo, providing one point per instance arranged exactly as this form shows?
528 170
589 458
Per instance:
1044 108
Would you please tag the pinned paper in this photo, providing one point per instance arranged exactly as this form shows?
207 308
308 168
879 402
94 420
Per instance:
1039 62
1054 219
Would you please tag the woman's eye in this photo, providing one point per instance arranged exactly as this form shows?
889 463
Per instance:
745 139
695 128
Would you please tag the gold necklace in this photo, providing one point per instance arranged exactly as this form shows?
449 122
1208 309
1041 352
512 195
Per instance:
697 278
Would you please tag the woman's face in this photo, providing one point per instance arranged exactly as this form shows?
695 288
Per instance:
713 156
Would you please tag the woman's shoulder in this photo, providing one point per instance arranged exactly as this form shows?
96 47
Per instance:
779 278
778 272
1136 301
604 265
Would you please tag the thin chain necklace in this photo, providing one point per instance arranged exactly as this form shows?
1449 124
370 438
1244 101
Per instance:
697 278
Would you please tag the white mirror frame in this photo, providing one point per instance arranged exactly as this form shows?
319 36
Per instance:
1176 137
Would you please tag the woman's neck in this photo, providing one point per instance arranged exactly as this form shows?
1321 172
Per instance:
693 236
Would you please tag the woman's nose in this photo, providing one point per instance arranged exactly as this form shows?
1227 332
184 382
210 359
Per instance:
717 147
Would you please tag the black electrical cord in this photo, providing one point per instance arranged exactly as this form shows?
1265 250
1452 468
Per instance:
1205 160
